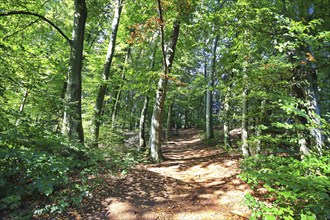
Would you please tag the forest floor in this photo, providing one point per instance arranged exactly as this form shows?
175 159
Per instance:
193 182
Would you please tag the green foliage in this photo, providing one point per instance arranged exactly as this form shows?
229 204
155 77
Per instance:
39 165
299 189
33 162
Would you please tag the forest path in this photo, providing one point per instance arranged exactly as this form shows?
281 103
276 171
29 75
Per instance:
194 182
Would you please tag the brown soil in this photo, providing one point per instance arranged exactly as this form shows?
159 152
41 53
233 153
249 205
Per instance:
194 182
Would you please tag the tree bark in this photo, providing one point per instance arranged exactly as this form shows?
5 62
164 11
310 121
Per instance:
72 120
142 135
298 90
142 131
96 121
226 120
245 146
115 107
169 122
21 107
259 122
314 110
156 121
209 96
305 88
132 108
168 57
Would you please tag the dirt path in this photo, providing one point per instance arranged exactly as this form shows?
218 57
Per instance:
194 182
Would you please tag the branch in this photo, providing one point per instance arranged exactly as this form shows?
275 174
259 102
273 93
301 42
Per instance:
25 27
160 11
326 79
175 37
39 16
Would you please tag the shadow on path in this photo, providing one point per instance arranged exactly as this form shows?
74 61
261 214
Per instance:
194 182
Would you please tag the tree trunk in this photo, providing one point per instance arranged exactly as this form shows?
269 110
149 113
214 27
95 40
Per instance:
259 123
115 106
304 149
132 109
303 141
176 121
156 121
226 120
209 96
21 107
185 123
245 146
72 120
168 57
142 135
96 121
169 122
305 88
314 110
118 91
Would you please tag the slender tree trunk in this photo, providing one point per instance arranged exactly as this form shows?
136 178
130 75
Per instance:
209 96
168 57
176 120
21 107
72 120
118 91
245 146
185 123
169 122
205 93
115 106
196 118
63 91
208 112
96 121
226 120
199 113
259 122
176 129
142 132
131 115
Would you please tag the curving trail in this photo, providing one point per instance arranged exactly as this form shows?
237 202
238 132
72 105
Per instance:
194 182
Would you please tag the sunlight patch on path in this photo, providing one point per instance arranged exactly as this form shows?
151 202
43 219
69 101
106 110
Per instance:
194 182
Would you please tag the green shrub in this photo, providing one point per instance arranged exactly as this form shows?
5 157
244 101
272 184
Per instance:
37 164
299 188
26 171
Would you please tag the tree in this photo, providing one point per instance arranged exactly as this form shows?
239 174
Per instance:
72 120
209 92
142 132
96 122
168 58
245 146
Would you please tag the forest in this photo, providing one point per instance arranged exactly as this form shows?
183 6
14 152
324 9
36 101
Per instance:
91 90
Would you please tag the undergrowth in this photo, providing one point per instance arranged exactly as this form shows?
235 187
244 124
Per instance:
296 189
41 172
